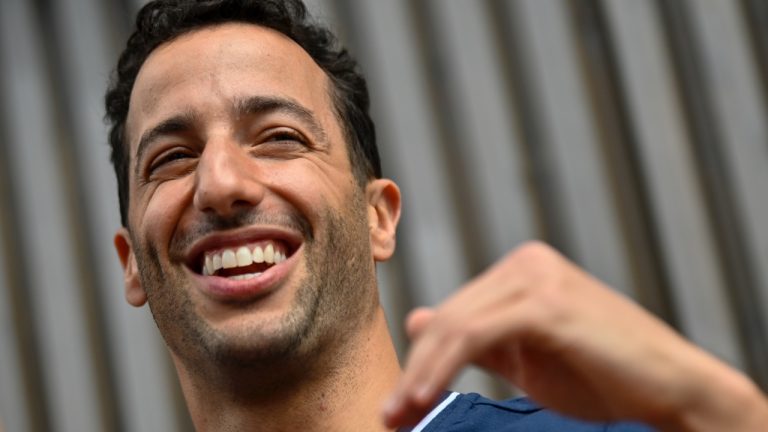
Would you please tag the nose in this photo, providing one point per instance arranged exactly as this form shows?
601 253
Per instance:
226 180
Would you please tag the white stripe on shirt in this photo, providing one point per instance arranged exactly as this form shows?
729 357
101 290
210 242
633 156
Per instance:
435 412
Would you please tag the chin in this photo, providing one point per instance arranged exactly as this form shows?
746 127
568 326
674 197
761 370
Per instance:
249 340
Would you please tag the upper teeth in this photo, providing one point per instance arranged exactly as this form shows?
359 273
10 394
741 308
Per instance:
242 257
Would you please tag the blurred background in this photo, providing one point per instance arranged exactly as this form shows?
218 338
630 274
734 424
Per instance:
630 134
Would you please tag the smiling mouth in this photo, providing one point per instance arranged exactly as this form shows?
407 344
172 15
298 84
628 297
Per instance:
245 261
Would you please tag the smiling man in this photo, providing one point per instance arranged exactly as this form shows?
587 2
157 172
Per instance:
251 235
254 210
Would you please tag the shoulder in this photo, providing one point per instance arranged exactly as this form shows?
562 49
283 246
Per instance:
475 413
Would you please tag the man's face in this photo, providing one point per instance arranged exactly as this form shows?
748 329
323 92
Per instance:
248 235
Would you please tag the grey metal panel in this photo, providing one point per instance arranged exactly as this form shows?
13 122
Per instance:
140 361
742 117
486 127
69 380
13 409
322 11
434 254
393 295
137 4
395 304
568 129
409 141
669 170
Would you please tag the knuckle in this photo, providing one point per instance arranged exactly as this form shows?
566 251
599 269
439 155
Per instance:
535 251
415 401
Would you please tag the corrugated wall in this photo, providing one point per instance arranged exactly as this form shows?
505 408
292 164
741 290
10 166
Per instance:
631 134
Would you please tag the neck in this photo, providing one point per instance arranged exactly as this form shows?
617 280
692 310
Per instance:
344 395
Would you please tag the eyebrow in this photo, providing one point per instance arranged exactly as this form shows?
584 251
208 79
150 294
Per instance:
253 105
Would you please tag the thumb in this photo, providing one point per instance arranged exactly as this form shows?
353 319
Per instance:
417 321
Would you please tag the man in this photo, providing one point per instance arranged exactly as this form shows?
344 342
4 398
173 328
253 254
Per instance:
254 210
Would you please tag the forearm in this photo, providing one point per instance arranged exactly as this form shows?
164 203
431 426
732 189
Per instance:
723 400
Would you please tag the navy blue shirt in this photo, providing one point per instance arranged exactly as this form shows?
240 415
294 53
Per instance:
474 413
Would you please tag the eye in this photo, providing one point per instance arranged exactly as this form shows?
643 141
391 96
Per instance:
169 158
286 136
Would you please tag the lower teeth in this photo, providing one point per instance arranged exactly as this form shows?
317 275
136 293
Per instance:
244 276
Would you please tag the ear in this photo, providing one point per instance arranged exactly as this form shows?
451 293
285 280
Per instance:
383 197
134 293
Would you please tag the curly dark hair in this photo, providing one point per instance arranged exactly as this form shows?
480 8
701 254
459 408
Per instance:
161 21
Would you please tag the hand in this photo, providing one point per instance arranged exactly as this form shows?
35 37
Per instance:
574 345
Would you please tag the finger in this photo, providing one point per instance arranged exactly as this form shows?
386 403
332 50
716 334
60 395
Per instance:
444 347
435 359
420 387
417 321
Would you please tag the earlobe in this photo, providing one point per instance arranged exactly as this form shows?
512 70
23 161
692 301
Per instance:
134 292
383 197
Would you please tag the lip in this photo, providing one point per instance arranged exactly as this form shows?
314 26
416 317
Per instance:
239 237
223 289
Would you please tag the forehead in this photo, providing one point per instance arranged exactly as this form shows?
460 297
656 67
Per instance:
203 71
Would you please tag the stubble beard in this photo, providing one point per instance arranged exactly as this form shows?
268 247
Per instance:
332 302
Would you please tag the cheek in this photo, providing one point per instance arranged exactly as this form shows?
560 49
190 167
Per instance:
163 209
313 187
